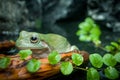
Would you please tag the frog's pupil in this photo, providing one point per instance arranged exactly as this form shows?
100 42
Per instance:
34 39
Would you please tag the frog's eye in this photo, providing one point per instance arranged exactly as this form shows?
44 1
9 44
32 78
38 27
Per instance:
34 39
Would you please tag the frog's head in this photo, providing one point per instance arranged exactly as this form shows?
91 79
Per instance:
30 40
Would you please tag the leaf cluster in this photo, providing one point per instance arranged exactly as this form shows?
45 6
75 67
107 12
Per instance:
113 47
33 65
89 31
4 62
66 67
97 62
54 58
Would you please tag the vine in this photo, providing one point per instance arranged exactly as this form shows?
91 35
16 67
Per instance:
88 31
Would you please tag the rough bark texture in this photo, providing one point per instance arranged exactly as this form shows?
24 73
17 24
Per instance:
6 45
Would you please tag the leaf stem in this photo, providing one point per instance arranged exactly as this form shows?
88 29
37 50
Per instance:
84 69
101 47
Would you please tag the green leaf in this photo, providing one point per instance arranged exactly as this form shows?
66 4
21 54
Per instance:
4 62
78 33
96 30
81 32
109 60
96 60
89 31
33 65
25 53
85 26
77 59
90 21
117 57
92 74
54 57
115 44
84 38
109 48
66 68
111 73
95 39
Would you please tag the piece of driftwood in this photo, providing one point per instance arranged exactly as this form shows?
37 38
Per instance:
6 45
17 68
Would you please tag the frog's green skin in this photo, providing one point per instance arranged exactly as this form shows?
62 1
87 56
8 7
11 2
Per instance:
43 41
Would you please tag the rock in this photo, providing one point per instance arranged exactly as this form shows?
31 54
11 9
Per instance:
60 11
106 12
13 18
30 15
9 15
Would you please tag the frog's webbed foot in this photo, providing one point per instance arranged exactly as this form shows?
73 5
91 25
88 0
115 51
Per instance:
72 48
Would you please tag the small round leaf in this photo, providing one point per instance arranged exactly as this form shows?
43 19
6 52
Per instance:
92 74
96 60
54 57
4 62
90 21
81 32
85 26
109 48
66 68
33 65
25 53
111 73
96 30
77 59
117 57
86 38
115 44
109 60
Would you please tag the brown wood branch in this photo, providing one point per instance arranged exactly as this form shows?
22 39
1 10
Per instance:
6 45
17 68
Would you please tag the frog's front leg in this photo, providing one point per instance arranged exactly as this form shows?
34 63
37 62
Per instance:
72 48
40 53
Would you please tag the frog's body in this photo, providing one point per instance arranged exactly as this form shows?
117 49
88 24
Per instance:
39 42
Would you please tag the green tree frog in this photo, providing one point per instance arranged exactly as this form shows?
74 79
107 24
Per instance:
43 44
